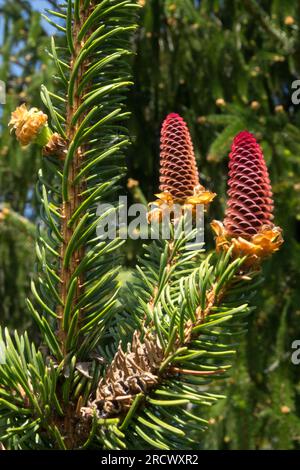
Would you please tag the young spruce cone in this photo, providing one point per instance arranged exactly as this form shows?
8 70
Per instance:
250 203
179 177
178 170
248 222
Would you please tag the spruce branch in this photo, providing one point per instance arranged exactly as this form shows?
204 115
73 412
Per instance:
16 221
178 303
120 371
164 357
82 147
268 25
169 354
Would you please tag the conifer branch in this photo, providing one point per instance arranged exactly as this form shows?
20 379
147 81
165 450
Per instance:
74 191
257 11
124 372
77 288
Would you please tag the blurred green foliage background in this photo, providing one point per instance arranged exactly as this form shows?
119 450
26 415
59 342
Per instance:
225 66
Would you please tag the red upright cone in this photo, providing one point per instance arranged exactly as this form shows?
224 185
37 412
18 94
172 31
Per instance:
248 222
178 171
179 178
250 203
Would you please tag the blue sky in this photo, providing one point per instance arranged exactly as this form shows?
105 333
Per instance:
39 4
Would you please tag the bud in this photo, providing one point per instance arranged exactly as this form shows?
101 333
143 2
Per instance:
132 183
172 7
4 212
255 105
289 20
201 119
220 102
56 146
285 409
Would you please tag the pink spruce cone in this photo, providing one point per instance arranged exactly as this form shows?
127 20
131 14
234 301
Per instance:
178 171
250 204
